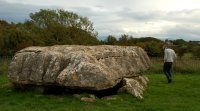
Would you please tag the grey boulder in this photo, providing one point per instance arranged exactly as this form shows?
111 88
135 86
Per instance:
80 67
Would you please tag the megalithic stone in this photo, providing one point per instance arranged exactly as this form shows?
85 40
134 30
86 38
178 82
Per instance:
74 66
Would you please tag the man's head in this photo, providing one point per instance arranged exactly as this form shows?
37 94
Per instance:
166 46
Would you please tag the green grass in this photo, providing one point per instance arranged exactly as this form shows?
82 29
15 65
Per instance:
182 95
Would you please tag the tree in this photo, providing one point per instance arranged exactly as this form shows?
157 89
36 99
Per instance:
132 41
15 40
56 26
148 39
154 49
196 51
180 50
123 40
111 40
180 42
5 30
47 18
181 47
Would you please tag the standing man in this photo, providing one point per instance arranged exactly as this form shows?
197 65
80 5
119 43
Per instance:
169 56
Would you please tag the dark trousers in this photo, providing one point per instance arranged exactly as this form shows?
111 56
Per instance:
168 70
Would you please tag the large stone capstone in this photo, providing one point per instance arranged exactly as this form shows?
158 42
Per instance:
81 67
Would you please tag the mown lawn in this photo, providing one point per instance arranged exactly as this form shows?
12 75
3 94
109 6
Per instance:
182 95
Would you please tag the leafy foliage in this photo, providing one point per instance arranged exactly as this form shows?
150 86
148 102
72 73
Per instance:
46 27
49 27
111 40
196 51
153 46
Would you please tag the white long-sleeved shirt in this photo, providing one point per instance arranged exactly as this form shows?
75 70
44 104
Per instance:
169 55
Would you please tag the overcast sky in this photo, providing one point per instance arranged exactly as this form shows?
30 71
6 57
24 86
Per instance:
163 19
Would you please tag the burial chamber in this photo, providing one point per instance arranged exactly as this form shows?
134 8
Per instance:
94 68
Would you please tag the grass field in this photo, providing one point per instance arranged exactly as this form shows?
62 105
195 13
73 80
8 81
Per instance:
182 95
183 66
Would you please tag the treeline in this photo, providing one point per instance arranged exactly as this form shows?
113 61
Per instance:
154 46
183 47
59 27
45 28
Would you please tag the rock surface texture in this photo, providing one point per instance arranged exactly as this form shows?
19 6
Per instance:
82 67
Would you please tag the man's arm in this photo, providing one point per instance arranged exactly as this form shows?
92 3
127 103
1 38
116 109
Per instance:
175 55
165 55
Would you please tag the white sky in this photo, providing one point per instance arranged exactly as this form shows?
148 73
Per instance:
173 19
